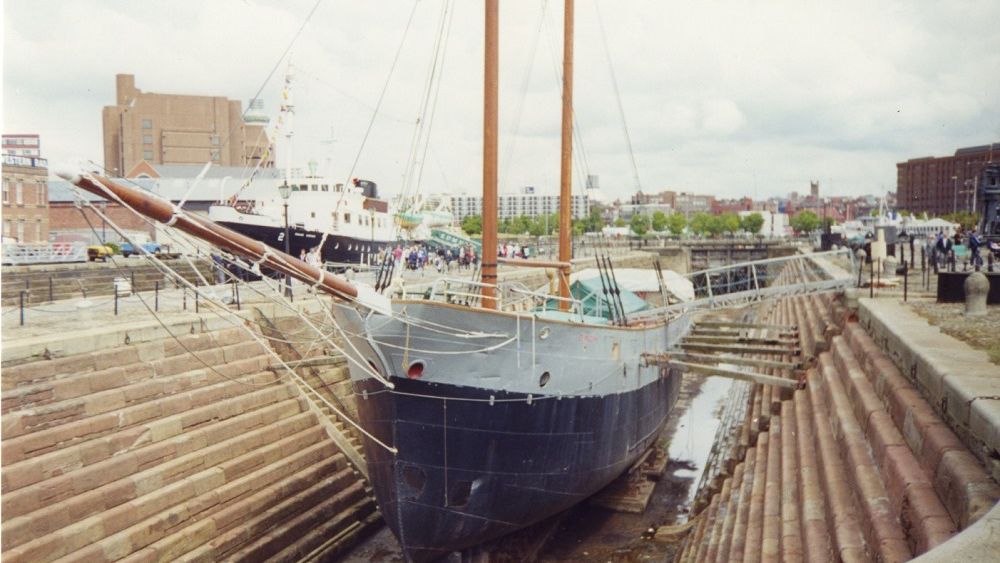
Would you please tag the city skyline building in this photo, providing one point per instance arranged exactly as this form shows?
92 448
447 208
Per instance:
179 129
25 190
943 185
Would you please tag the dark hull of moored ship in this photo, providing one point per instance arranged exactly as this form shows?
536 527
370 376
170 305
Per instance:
479 453
337 248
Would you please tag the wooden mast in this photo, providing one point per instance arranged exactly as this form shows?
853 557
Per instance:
566 163
489 264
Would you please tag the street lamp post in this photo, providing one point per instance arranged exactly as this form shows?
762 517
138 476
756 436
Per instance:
286 191
954 188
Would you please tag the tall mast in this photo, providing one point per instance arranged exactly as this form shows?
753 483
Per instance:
566 164
489 265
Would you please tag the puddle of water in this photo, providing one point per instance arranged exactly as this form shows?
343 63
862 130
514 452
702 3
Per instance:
692 441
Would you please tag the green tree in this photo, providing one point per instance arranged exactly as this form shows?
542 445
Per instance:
700 223
729 223
967 220
472 225
595 220
752 223
805 222
639 224
659 221
619 222
676 222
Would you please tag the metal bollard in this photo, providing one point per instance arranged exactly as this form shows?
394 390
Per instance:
50 289
184 299
906 280
133 282
116 301
196 309
871 280
21 298
156 296
237 286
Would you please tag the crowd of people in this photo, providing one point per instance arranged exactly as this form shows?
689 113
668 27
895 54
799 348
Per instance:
417 257
942 247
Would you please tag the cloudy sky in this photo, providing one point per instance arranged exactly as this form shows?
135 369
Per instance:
732 97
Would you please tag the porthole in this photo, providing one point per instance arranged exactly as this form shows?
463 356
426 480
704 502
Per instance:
544 333
544 379
415 371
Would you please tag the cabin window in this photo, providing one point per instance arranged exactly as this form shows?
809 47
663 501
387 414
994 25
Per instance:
338 187
312 214
347 218
295 187
304 187
326 187
315 188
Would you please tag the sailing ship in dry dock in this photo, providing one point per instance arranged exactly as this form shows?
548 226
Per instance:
483 418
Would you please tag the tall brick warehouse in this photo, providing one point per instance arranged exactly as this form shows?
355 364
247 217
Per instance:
942 185
178 129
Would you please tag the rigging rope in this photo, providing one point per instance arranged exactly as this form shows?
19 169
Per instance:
618 98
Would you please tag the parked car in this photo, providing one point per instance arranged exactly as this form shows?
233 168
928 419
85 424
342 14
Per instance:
99 252
150 247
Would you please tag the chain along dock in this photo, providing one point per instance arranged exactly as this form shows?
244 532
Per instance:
221 427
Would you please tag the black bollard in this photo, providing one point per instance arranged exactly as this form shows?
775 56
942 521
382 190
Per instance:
196 308
237 287
21 298
906 279
132 281
50 289
156 296
871 280
184 299
116 301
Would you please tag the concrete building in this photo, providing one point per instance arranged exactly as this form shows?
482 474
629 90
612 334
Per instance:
178 129
942 185
25 192
21 145
515 205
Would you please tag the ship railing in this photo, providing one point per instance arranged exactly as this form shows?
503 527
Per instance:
749 282
509 296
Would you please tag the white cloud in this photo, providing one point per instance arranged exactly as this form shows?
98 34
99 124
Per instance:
727 97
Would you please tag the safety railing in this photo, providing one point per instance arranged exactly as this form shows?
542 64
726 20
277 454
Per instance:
748 282
47 253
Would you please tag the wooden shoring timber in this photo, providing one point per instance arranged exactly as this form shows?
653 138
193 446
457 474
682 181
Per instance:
741 349
697 339
733 324
703 369
737 360
696 331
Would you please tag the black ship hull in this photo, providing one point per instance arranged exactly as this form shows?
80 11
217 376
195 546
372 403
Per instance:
470 469
337 248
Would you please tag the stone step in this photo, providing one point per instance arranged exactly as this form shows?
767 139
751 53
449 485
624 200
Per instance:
94 498
242 522
842 506
815 536
102 436
909 487
129 527
149 386
60 387
961 483
225 437
309 528
117 358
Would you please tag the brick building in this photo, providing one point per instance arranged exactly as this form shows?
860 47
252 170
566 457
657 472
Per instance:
25 191
178 129
942 185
